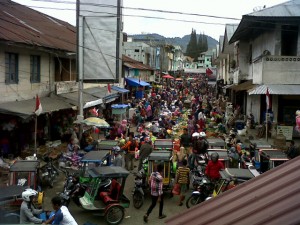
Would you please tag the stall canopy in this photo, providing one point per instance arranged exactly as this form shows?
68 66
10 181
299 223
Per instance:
119 89
26 108
88 100
136 82
244 86
276 89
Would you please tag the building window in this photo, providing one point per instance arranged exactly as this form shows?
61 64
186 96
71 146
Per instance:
35 68
11 68
136 50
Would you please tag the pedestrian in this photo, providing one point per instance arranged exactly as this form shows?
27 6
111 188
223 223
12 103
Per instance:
62 215
28 212
292 151
118 160
182 178
129 149
145 151
185 141
156 186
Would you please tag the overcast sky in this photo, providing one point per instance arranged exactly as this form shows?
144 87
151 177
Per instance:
168 26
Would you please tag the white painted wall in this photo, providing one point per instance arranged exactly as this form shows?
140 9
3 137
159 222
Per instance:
25 89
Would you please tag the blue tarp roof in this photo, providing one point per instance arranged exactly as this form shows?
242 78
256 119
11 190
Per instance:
135 82
119 89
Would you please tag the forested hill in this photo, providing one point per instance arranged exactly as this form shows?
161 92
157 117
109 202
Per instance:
183 42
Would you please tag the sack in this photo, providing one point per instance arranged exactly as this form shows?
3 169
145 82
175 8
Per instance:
176 189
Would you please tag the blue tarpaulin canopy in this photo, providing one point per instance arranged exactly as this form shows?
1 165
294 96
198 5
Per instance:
119 106
119 89
136 82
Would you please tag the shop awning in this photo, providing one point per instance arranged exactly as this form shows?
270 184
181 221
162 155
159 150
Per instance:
25 108
135 82
276 89
101 92
244 86
229 86
87 99
119 89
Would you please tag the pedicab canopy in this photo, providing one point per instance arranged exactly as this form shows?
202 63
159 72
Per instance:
118 109
160 156
216 143
230 173
163 144
95 156
270 198
108 172
107 144
12 193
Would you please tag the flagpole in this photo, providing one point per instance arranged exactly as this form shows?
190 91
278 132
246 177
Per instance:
35 134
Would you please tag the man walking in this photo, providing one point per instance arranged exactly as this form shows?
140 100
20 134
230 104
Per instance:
145 151
156 185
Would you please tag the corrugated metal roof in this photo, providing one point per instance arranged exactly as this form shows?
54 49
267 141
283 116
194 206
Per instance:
256 22
230 29
134 64
25 108
286 9
273 198
276 89
24 25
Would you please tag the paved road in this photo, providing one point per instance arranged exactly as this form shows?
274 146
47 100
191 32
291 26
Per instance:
132 216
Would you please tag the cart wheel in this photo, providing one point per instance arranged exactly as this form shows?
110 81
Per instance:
114 215
192 201
138 199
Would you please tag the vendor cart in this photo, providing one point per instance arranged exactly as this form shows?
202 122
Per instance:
216 143
270 158
163 144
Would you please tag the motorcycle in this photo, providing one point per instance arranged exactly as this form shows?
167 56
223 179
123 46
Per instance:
49 171
203 191
138 193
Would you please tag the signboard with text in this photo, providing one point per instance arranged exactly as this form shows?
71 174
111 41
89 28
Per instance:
287 131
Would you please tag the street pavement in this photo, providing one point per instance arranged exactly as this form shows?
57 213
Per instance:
133 216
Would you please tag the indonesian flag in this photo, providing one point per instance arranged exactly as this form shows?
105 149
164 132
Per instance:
108 88
268 100
209 72
38 106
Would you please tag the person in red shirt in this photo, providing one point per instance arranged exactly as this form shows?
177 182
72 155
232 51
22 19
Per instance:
213 167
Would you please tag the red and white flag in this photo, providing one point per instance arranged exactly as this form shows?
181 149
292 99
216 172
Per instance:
268 100
108 89
38 106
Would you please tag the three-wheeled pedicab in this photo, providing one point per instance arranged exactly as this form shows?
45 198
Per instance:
223 156
93 159
26 173
270 158
163 144
149 166
10 203
217 143
110 204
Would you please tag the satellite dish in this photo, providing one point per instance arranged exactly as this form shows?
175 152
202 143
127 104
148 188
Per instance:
257 8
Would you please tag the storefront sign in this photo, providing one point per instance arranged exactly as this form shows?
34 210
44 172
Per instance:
287 131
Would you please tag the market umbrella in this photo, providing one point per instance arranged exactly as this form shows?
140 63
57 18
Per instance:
168 76
95 121
178 78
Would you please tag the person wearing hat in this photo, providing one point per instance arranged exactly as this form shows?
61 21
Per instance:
28 213
145 151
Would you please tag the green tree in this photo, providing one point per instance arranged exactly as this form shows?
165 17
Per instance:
202 43
192 48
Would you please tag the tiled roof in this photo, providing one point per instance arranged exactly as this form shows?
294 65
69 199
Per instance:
134 64
22 25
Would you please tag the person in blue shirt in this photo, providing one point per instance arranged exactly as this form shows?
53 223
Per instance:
62 215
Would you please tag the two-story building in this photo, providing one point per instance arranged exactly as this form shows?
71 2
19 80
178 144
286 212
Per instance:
266 53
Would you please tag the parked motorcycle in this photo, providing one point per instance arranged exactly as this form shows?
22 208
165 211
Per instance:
204 189
138 193
49 171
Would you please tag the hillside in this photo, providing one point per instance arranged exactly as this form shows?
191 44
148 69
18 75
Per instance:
182 42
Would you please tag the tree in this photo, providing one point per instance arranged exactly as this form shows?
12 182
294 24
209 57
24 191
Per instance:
192 48
202 43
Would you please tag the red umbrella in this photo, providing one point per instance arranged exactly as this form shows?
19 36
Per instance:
168 76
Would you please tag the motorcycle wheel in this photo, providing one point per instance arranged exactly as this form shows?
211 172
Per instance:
138 199
192 201
114 215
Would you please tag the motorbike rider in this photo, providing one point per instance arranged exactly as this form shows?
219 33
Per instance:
200 146
145 151
28 212
213 167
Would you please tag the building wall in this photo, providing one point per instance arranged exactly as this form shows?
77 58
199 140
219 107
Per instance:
25 89
130 49
253 106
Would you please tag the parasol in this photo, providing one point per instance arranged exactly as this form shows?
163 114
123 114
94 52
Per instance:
168 76
95 121
178 78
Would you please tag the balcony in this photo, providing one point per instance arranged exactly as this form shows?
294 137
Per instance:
276 70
